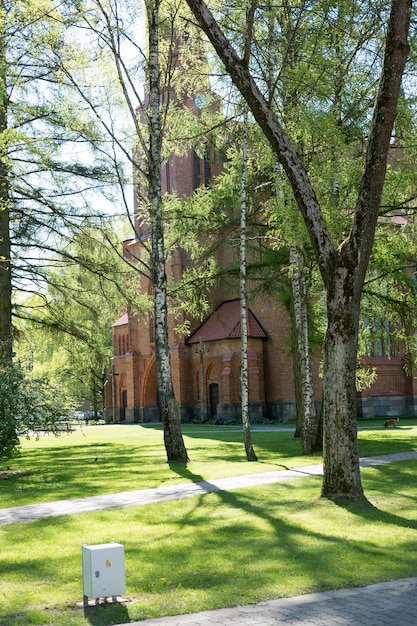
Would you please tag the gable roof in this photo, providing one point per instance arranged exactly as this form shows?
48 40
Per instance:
225 323
122 321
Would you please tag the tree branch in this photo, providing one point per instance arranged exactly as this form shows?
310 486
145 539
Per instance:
281 144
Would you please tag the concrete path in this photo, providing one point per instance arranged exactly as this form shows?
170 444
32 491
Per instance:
31 512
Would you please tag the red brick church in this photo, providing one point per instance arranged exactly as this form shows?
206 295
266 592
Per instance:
206 364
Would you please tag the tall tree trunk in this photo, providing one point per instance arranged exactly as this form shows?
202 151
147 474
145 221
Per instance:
343 269
5 264
173 439
309 423
340 446
296 370
244 389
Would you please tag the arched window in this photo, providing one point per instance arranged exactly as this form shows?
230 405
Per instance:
151 328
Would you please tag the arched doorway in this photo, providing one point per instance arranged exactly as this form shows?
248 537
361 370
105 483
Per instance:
150 405
213 398
124 405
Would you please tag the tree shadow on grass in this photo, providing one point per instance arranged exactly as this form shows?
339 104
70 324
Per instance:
290 534
284 538
239 500
390 475
371 513
363 508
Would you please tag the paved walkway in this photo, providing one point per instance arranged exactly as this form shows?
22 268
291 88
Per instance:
32 512
385 604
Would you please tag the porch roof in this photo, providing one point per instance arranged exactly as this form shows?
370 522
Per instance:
225 323
122 321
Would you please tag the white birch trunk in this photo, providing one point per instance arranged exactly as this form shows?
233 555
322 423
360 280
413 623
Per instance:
305 391
174 444
307 421
244 390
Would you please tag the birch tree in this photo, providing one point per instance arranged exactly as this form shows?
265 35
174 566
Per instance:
308 422
244 388
174 443
279 55
342 265
145 115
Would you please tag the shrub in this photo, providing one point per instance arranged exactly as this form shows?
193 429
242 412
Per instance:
26 404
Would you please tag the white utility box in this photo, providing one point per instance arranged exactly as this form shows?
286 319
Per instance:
103 570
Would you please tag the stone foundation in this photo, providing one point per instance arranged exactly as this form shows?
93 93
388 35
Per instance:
284 411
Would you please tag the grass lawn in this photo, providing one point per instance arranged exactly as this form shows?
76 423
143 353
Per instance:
209 551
